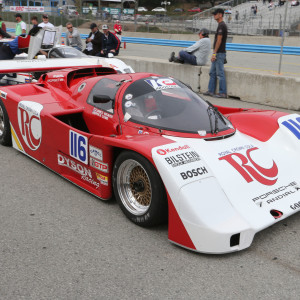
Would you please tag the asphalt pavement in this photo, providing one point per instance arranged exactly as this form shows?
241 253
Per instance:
265 63
59 242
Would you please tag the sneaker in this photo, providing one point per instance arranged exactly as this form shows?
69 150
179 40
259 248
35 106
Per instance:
208 93
221 96
172 57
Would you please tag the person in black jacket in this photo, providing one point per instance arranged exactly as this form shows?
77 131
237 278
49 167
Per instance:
94 41
110 43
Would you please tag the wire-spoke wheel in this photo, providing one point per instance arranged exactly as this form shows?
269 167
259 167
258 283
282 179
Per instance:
139 189
5 133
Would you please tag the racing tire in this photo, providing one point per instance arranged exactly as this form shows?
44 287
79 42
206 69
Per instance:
5 133
139 190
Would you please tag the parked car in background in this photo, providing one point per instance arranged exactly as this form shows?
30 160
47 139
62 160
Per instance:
162 18
178 10
142 8
159 9
195 9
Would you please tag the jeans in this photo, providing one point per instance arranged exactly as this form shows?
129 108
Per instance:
188 58
217 71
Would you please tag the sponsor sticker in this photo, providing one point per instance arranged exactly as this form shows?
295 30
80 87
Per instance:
3 94
102 178
73 165
96 153
102 114
249 169
99 165
30 124
128 97
162 84
78 145
280 192
81 87
293 125
196 172
182 158
171 150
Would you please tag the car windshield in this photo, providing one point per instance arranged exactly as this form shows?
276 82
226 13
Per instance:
166 103
65 52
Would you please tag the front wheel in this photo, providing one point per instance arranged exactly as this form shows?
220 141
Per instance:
5 133
139 190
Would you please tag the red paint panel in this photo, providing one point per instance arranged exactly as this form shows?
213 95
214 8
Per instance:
260 125
177 232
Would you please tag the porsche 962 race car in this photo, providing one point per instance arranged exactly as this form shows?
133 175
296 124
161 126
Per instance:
218 174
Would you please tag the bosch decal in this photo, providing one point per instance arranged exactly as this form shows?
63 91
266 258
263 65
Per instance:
277 194
78 144
170 150
249 169
162 84
96 152
30 123
101 166
194 173
76 167
182 159
294 126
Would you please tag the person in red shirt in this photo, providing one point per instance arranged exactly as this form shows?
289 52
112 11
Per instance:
118 29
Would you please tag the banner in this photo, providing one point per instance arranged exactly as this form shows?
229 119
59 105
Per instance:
27 8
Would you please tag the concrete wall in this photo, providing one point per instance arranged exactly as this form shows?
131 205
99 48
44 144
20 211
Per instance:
277 91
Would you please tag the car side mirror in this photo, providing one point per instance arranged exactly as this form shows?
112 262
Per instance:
101 99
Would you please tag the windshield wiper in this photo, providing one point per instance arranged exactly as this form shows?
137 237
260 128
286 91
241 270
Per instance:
123 81
209 109
217 116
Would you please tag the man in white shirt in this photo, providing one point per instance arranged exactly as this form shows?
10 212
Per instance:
48 37
46 22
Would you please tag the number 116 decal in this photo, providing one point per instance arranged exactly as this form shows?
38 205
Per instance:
78 145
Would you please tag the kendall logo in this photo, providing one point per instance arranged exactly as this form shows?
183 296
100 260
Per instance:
170 150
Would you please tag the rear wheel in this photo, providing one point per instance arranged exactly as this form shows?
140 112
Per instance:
5 133
139 190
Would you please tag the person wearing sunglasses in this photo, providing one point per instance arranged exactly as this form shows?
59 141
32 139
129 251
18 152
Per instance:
73 37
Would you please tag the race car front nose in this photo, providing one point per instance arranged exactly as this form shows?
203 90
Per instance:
212 223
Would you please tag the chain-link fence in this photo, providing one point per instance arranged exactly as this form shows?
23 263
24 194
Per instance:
242 18
253 18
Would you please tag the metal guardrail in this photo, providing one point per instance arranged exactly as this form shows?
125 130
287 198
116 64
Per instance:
288 50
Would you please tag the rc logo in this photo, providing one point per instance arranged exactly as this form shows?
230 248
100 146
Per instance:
30 123
250 170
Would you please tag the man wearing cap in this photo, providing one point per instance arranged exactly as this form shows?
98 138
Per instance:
20 26
46 22
110 43
197 54
218 58
73 37
94 41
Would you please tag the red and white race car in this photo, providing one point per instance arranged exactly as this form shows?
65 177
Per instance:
218 174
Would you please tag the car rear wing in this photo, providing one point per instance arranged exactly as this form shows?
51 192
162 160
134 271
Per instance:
45 65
